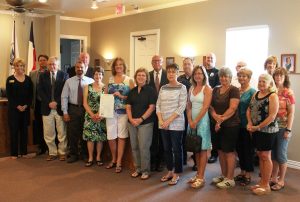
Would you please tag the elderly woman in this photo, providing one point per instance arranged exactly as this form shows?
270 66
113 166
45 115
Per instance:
271 64
170 106
118 85
285 118
245 148
197 113
19 95
261 116
224 105
94 130
140 106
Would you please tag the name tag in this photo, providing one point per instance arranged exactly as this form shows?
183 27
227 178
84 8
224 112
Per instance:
11 81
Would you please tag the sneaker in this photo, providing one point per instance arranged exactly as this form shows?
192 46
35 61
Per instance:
226 183
218 179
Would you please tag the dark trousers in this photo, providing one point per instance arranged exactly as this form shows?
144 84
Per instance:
18 132
38 131
184 137
245 150
214 140
75 129
156 149
172 141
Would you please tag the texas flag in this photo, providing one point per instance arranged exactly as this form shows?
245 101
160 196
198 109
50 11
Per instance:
31 62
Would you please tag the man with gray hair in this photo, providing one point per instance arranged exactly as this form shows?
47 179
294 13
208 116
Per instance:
87 70
235 81
50 87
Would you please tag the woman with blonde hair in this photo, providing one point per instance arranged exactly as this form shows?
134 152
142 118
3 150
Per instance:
262 123
19 91
271 64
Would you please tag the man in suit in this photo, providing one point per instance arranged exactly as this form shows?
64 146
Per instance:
158 78
87 71
38 133
50 88
213 79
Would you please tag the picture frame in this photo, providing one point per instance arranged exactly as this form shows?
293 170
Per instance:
170 60
288 61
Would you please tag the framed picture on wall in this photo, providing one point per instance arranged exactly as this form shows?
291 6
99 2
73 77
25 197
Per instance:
288 61
170 60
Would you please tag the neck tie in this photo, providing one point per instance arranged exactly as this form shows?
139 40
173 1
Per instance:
52 86
79 93
157 82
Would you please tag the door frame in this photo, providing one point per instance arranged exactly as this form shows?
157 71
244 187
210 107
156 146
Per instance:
77 37
144 33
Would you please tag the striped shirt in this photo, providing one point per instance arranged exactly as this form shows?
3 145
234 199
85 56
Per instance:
172 99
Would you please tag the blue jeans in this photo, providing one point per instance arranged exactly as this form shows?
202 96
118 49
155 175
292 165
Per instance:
172 141
280 147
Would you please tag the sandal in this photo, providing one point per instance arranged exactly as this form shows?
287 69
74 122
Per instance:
166 178
192 180
174 181
118 169
246 181
254 187
271 183
135 174
145 176
111 165
198 183
88 163
99 163
261 191
239 178
277 187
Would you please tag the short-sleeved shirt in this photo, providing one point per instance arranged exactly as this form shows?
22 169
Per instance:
244 104
286 98
185 81
140 101
221 102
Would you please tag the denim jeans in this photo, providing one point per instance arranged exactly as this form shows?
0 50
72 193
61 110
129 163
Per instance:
280 147
141 139
172 141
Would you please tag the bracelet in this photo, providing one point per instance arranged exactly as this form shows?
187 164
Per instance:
288 130
142 118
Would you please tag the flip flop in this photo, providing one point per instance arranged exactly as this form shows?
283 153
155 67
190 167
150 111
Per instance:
166 178
174 181
277 187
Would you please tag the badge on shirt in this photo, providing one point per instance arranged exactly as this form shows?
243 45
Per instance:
211 74
11 81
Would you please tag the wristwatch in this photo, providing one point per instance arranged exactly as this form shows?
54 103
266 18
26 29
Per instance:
288 130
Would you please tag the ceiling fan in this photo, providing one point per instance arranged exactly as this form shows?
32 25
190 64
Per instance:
31 6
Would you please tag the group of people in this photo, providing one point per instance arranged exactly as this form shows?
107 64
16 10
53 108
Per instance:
157 109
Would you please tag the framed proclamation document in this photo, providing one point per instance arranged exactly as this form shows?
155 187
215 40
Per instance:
106 108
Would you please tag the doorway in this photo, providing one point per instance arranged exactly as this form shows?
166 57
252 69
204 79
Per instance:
143 45
70 48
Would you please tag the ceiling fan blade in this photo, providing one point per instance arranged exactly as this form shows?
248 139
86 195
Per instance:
37 5
18 2
46 11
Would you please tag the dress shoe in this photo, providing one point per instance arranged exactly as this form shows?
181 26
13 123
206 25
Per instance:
212 159
72 159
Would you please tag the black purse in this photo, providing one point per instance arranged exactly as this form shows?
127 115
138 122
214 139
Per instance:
193 142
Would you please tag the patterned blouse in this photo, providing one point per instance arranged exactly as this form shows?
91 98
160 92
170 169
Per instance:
286 98
259 110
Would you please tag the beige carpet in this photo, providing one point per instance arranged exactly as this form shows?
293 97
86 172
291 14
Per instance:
35 180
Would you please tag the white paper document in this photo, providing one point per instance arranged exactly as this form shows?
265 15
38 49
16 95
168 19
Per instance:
106 108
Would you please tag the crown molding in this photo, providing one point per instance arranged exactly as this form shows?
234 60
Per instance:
75 19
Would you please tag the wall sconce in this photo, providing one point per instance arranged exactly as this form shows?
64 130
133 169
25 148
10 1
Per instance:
108 58
188 52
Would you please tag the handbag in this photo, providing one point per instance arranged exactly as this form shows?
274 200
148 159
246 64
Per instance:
193 142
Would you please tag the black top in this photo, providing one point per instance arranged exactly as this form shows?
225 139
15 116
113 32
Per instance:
213 77
19 93
140 102
163 80
89 72
185 81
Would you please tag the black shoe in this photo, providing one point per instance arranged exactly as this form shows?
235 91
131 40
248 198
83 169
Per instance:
72 159
194 168
212 159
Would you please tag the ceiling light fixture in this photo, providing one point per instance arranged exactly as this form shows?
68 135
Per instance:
94 5
43 1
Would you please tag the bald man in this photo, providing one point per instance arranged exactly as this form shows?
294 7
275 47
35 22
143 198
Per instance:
87 71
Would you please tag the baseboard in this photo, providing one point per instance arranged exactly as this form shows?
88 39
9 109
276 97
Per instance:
293 164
